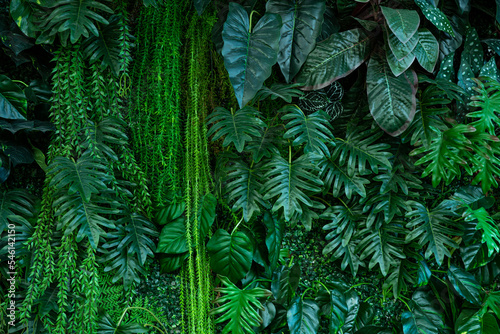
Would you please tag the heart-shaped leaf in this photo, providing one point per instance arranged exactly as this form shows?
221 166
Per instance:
249 55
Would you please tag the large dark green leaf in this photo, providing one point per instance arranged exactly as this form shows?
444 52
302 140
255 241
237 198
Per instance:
334 58
490 231
171 262
469 321
337 179
400 50
424 317
13 103
475 255
436 16
353 308
15 206
173 238
303 316
24 12
302 21
275 232
284 283
27 126
465 284
402 22
249 54
230 254
264 144
338 311
236 127
392 99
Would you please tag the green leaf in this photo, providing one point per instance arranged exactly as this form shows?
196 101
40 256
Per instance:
230 254
398 67
427 49
312 129
264 144
423 273
446 70
171 262
206 213
465 284
125 267
286 92
285 281
290 181
353 308
334 58
433 14
490 70
399 49
402 22
303 316
433 228
13 103
106 325
238 306
392 100
171 212
492 302
200 5
244 188
75 18
274 237
423 318
302 23
236 127
475 255
337 179
24 13
16 206
473 51
338 311
172 238
490 231
249 54
487 101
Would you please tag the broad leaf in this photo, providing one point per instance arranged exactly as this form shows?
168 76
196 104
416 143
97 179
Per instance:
107 325
13 103
423 318
427 50
171 262
206 213
274 237
172 238
264 144
303 316
286 92
392 100
16 206
200 5
338 311
125 266
399 49
230 254
465 284
433 14
302 23
285 281
236 127
249 54
334 58
337 179
490 231
475 255
402 22
24 14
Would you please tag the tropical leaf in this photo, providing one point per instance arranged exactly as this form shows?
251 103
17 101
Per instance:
487 99
312 130
249 54
433 14
433 228
290 181
392 100
206 213
465 284
490 231
236 127
286 92
171 262
230 254
302 23
285 281
398 67
75 18
390 204
172 238
264 144
334 58
238 306
400 277
303 316
13 103
475 255
485 160
200 5
353 309
16 206
338 311
274 237
427 49
473 50
492 302
105 135
423 317
106 325
244 188
397 48
402 22
397 180
126 267
24 13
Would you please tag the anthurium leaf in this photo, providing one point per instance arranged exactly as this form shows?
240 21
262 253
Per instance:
236 127
402 22
275 232
469 321
392 100
334 58
302 23
399 49
313 130
433 14
239 306
230 254
433 229
465 284
303 316
427 49
490 231
200 5
249 54
172 238
206 213
286 92
337 179
171 262
13 103
424 317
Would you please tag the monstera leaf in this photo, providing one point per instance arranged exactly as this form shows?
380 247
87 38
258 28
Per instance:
465 284
238 306
289 181
249 54
433 228
392 100
230 254
244 187
302 23
108 132
487 100
75 18
334 58
490 231
313 130
286 92
264 144
303 316
337 179
236 127
13 103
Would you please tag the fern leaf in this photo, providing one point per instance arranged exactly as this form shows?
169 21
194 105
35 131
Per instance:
244 186
359 148
337 179
290 181
311 130
236 127
433 228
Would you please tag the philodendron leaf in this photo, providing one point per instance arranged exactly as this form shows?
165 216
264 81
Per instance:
230 254
490 231
13 103
423 318
427 49
437 17
465 284
303 316
391 99
402 22
173 238
334 58
249 54
338 311
302 21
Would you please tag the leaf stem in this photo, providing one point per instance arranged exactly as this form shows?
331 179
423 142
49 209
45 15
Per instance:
250 25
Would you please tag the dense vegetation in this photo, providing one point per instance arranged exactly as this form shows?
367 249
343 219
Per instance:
280 166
